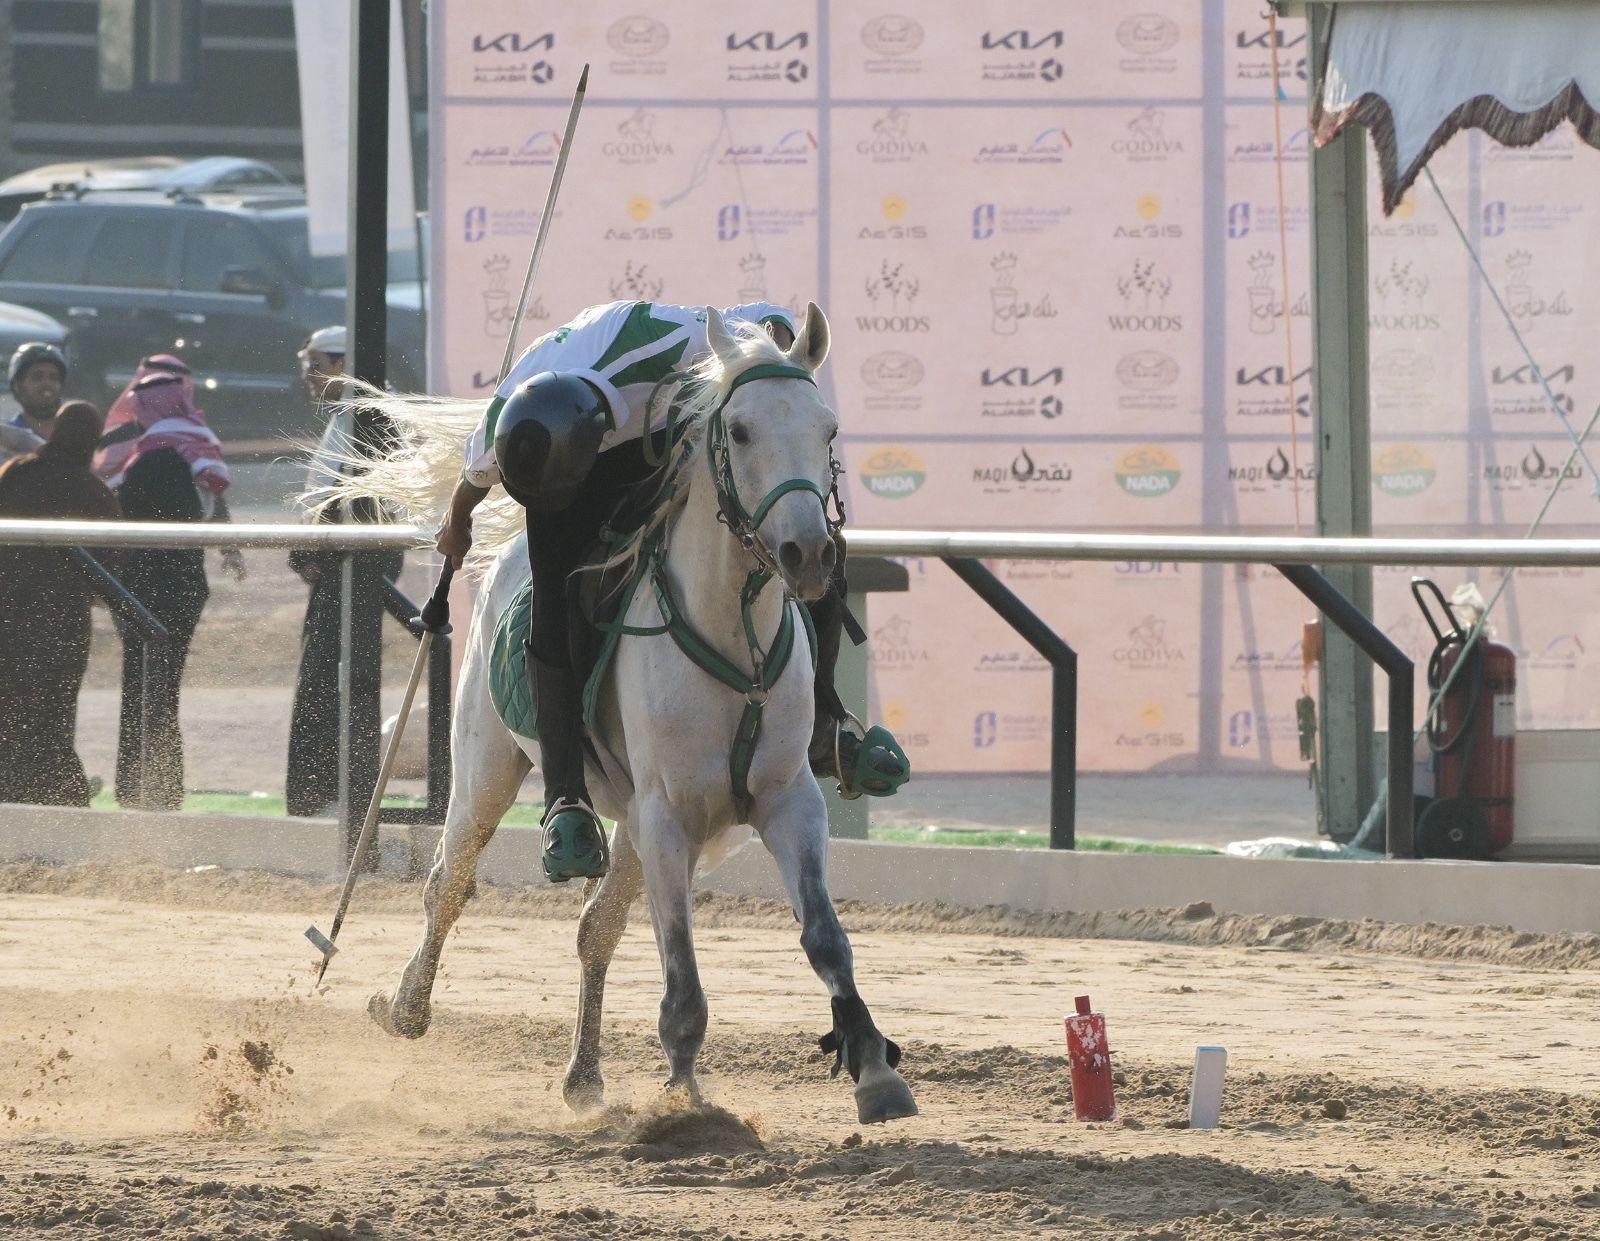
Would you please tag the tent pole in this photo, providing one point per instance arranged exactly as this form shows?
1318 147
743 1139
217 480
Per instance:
1343 434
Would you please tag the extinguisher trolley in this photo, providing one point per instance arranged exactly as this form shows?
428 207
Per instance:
1472 737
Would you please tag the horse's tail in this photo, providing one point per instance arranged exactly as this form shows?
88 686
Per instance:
412 482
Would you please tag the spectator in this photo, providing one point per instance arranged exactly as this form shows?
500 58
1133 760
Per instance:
36 374
352 430
166 465
44 615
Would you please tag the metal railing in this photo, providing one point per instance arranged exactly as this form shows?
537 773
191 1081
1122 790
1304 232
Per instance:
962 551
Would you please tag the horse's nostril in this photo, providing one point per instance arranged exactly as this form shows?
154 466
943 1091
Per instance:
829 554
790 556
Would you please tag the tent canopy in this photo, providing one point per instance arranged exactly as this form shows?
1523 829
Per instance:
1414 73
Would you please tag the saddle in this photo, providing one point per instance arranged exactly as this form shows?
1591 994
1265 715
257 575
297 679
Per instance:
596 597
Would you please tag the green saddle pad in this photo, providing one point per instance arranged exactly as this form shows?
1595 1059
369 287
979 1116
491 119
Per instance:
508 669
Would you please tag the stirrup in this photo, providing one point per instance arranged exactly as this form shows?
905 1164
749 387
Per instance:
867 760
574 842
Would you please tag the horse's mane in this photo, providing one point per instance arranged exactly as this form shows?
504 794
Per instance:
414 480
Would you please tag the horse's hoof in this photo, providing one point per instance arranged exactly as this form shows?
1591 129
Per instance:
688 1086
883 1095
382 1010
584 1094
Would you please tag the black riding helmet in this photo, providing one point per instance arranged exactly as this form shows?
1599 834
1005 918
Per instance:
546 438
29 353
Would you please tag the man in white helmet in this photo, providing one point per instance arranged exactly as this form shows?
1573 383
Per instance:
37 373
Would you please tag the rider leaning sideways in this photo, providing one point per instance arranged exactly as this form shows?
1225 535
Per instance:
563 436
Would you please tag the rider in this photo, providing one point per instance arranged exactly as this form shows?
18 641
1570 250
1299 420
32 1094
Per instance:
563 435
36 374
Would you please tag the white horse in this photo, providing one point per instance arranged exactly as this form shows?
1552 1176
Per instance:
663 726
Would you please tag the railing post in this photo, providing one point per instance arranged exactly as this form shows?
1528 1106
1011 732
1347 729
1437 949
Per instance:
1063 692
1400 834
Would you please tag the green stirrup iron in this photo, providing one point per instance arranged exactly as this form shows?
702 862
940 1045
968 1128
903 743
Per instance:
574 843
879 766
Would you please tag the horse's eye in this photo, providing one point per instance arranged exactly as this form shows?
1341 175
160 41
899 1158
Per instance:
740 433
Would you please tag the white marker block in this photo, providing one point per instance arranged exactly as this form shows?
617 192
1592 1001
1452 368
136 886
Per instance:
1205 1087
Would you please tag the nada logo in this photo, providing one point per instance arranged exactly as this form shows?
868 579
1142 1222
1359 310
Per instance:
1403 470
891 140
1144 293
638 37
512 42
892 371
1146 139
1147 34
1147 370
893 472
1147 471
892 35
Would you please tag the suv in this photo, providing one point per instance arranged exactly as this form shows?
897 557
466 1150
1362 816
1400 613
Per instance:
141 172
226 282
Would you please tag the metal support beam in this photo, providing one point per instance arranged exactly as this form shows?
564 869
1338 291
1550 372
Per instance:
1358 627
1339 386
1063 693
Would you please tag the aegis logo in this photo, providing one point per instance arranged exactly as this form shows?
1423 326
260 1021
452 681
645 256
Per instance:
1022 40
1022 377
766 41
511 41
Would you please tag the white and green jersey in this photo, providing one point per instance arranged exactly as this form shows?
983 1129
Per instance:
623 349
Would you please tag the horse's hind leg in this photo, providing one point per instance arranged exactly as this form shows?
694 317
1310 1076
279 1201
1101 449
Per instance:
600 928
669 861
795 829
488 770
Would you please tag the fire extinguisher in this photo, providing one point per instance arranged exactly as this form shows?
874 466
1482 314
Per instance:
1472 737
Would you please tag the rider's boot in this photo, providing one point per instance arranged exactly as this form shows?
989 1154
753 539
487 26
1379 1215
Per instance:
862 760
574 842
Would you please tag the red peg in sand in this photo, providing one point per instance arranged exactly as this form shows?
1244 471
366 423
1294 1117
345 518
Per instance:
1092 1097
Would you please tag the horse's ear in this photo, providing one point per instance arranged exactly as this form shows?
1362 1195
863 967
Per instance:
720 339
810 347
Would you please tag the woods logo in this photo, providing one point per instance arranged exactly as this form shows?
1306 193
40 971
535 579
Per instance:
1147 471
1402 291
1403 470
1145 139
1144 292
638 37
893 472
892 292
637 284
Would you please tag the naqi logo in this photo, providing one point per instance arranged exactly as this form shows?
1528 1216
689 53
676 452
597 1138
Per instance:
1403 470
1148 470
893 472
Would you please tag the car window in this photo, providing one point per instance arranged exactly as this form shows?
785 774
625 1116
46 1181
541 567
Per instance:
50 248
130 252
214 244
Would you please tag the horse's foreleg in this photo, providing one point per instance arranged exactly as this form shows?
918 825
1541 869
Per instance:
488 770
669 860
600 928
794 827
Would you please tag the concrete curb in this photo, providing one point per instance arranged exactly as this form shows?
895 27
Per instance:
1524 896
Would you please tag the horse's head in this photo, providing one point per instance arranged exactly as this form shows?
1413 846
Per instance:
772 453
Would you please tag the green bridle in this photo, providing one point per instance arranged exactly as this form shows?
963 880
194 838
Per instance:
767 663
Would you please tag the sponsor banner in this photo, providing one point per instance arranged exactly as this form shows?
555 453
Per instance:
1026 50
1022 484
1514 477
1249 46
1262 668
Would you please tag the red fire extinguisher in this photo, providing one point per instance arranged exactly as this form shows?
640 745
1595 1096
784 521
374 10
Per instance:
1473 740
1092 1096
